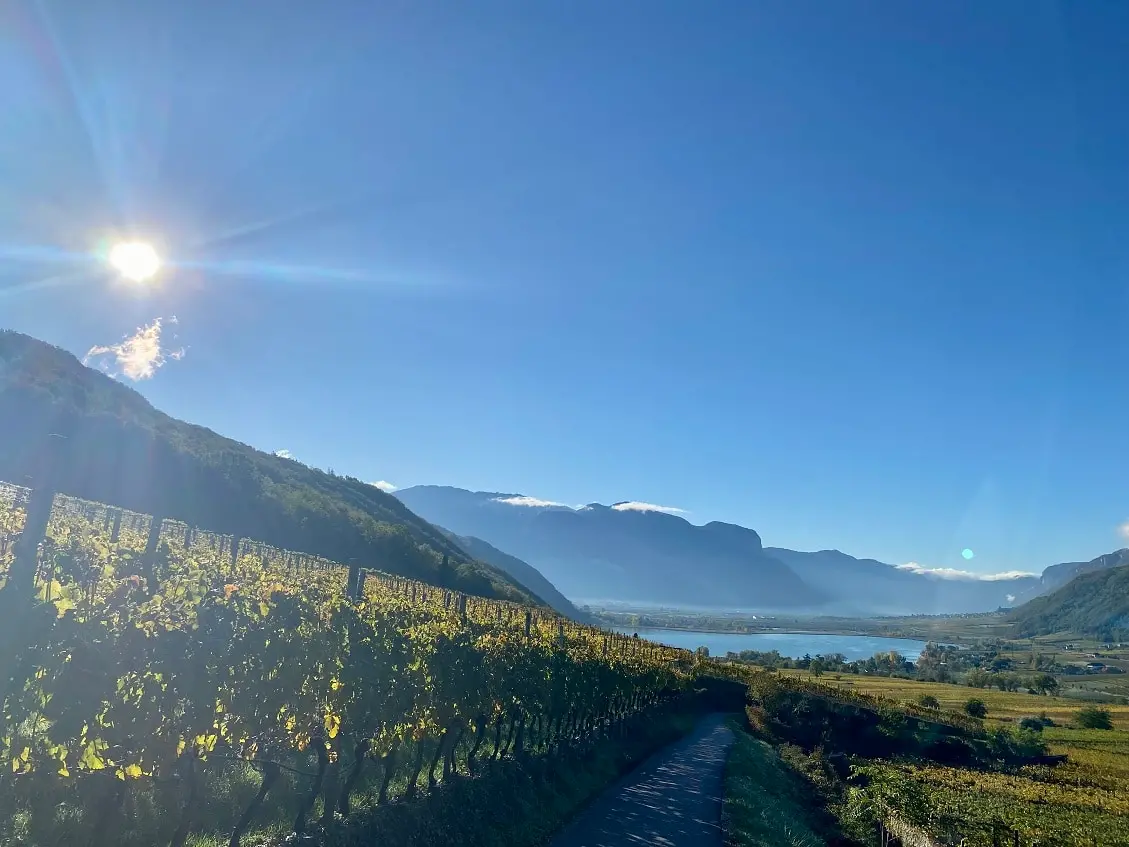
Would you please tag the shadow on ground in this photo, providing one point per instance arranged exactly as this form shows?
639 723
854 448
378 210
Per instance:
672 800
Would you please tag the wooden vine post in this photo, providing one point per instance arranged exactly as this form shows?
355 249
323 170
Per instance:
116 530
149 561
18 595
21 578
355 583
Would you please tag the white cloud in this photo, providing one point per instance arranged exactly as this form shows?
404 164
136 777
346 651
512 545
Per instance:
636 506
533 502
1011 598
139 356
996 577
284 454
956 573
384 485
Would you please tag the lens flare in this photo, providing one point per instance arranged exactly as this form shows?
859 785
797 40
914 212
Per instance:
135 260
968 554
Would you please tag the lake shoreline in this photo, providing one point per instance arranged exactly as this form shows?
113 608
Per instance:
788 641
842 632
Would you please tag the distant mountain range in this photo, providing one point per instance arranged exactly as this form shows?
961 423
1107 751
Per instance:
601 552
598 553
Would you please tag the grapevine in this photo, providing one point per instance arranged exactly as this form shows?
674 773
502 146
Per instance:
157 654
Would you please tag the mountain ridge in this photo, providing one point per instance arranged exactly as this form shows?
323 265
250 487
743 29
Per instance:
591 551
1094 603
522 571
581 550
120 449
1056 576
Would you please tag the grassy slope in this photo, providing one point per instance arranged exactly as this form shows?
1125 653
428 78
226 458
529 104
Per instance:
765 803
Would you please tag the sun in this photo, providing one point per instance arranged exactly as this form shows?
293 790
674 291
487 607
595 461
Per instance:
135 260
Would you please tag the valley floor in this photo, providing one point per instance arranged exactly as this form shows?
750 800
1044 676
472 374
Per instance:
1082 801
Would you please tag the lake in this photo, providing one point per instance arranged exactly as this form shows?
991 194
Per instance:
793 644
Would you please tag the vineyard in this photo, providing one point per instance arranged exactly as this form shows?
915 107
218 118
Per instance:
149 667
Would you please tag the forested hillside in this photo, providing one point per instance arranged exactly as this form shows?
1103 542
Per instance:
522 571
119 449
1095 604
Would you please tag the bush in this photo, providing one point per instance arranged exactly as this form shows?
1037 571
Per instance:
975 707
928 701
1092 717
1027 744
1032 723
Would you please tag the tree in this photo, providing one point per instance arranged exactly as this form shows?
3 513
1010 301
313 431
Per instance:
975 707
928 701
816 667
1044 683
1007 681
977 678
1093 717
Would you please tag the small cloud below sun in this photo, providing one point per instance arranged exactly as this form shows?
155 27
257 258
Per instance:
137 357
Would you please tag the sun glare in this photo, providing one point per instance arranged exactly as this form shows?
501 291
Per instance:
135 260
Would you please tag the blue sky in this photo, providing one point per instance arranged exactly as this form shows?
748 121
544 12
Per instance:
853 274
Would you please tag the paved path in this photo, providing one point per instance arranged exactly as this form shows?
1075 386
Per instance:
672 800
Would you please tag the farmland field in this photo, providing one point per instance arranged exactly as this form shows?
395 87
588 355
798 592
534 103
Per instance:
1003 706
1083 801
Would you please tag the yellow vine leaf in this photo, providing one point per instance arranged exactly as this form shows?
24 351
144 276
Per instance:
90 760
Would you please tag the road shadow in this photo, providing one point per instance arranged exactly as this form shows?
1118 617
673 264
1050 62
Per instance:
671 800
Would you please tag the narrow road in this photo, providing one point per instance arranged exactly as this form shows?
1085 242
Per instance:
672 800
